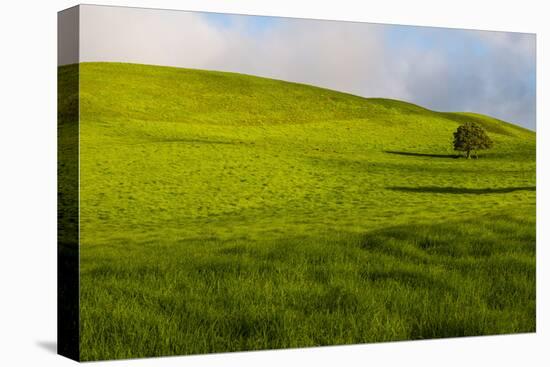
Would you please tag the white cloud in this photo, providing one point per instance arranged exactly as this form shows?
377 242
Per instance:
148 37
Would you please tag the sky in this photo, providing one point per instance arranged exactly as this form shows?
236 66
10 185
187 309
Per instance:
442 69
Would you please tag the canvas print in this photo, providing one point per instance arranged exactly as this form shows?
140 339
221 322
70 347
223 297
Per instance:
235 183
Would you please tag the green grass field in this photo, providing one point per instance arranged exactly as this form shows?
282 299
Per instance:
225 212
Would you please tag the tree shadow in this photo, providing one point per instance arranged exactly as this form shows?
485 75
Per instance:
413 154
460 190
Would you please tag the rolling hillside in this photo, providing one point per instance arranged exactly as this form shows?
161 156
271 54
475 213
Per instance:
224 212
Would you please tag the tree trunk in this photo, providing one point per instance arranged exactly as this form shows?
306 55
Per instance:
467 154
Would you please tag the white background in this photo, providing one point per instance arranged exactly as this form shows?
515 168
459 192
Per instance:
28 183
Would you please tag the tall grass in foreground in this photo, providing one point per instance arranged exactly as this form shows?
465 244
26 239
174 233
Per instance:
472 277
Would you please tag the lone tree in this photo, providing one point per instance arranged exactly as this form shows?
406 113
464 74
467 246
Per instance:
471 137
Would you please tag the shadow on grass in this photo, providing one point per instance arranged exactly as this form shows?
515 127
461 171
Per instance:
452 156
460 190
194 141
407 277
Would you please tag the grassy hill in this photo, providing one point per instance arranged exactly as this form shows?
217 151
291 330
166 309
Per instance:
224 212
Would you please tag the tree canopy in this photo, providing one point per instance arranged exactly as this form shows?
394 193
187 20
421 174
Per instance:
471 137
